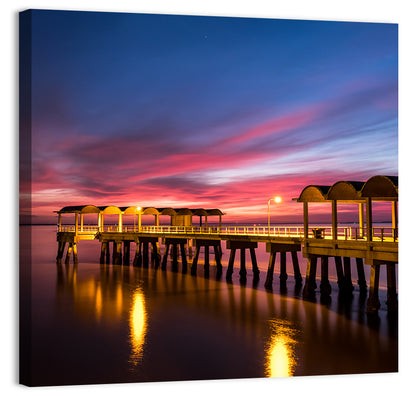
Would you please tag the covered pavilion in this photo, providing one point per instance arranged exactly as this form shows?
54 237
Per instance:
377 188
178 217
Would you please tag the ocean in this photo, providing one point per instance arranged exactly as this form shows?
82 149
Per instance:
97 323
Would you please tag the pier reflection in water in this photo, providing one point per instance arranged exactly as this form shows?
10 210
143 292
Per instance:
107 323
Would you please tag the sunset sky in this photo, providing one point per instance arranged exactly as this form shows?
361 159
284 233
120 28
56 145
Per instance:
177 111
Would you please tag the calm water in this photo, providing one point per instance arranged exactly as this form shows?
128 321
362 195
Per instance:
95 323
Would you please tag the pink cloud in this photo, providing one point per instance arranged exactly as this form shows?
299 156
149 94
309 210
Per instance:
284 123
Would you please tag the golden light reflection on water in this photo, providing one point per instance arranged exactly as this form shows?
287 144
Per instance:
119 300
138 326
280 355
98 302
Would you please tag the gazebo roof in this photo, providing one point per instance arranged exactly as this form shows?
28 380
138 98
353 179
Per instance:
314 193
381 187
111 209
345 191
378 188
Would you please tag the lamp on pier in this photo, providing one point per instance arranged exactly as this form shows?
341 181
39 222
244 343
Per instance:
276 200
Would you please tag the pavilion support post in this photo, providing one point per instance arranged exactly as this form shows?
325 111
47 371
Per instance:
76 224
270 270
361 274
369 219
373 302
391 287
310 282
361 219
283 272
59 222
334 220
230 264
340 272
120 222
82 222
348 286
195 260
325 286
137 261
305 220
394 219
296 269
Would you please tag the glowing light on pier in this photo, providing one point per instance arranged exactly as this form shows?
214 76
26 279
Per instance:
276 199
138 326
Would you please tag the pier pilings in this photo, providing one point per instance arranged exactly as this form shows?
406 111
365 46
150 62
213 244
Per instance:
69 241
174 244
242 245
273 249
345 284
147 245
343 269
373 301
375 253
207 244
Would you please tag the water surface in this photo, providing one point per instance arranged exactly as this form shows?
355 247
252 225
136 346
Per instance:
93 323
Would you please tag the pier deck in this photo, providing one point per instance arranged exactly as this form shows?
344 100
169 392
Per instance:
374 246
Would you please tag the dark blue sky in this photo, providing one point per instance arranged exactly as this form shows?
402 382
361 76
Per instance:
165 110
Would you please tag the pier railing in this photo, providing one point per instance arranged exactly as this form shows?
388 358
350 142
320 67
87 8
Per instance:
384 234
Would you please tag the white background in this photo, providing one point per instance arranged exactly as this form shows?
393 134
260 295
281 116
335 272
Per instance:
392 11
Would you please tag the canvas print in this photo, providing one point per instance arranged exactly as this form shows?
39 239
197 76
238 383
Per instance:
206 198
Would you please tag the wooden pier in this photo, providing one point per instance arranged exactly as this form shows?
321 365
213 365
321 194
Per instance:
369 245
